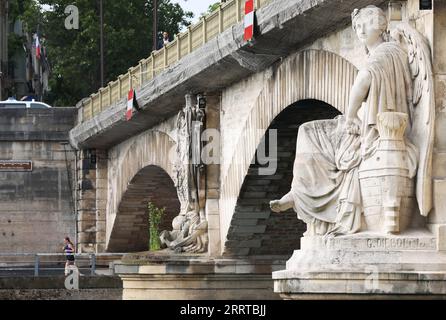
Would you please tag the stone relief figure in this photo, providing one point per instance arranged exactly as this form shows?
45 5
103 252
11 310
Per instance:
363 171
180 168
189 232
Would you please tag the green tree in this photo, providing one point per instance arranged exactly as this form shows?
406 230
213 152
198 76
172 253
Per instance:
18 9
212 8
75 54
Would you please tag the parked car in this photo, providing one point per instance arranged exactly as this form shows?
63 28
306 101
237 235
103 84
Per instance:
12 103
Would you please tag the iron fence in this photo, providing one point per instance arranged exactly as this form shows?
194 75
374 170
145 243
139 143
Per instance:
41 264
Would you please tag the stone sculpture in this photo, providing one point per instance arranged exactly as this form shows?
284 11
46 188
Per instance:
364 170
189 232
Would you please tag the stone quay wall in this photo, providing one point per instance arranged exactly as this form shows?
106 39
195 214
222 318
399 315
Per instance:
36 180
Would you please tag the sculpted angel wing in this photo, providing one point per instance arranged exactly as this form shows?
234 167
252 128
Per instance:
423 115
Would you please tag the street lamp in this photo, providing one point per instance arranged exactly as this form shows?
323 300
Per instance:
155 24
101 21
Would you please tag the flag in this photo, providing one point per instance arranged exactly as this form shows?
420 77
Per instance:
38 48
249 20
130 103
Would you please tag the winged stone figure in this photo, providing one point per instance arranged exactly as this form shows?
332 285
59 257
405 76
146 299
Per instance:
327 191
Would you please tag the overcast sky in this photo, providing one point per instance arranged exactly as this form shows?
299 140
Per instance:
196 6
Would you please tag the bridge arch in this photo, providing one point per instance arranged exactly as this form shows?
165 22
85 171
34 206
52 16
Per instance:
314 75
140 170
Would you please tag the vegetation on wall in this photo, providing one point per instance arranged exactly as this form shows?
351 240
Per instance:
155 216
212 7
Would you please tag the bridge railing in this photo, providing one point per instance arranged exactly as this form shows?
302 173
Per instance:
37 264
209 27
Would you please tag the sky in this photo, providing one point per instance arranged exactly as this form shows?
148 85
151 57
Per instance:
196 6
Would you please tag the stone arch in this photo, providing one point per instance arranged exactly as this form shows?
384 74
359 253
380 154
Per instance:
130 230
255 230
310 74
140 169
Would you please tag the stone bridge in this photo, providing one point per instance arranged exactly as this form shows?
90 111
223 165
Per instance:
300 67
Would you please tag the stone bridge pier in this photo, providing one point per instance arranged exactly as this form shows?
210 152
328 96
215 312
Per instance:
246 239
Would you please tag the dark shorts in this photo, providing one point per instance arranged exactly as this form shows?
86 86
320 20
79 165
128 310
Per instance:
70 258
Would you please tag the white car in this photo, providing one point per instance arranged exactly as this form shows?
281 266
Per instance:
12 103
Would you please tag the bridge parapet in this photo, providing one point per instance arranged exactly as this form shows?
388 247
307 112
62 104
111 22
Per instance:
215 65
209 27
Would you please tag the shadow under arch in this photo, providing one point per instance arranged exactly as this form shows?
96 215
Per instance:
130 231
309 74
127 161
255 230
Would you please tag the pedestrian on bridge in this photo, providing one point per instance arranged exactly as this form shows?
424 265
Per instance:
163 40
69 250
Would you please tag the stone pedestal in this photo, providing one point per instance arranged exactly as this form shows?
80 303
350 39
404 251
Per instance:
365 266
167 276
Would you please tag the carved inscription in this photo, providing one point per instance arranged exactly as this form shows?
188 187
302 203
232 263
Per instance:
401 243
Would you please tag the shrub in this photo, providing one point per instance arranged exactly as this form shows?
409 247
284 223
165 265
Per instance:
155 215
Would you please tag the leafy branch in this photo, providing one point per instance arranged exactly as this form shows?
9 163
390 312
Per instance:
155 216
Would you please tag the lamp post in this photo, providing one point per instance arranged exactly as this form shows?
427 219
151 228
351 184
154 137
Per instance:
155 24
3 47
101 21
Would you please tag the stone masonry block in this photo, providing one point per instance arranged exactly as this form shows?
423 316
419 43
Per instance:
256 243
213 221
87 195
236 251
86 216
438 215
87 204
249 229
87 237
86 226
101 226
439 164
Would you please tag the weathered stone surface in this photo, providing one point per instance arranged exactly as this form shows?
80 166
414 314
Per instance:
37 207
36 124
438 215
166 277
281 232
129 232
224 59
362 285
354 266
53 288
213 218
367 263
246 117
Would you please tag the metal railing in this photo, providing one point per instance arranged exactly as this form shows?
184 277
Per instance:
209 27
39 264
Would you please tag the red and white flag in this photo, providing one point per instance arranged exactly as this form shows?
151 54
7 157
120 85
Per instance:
249 20
130 103
38 48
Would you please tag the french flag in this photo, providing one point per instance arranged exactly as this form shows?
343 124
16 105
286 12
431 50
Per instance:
38 48
249 20
130 103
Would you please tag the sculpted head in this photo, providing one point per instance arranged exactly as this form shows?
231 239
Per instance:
178 222
370 24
